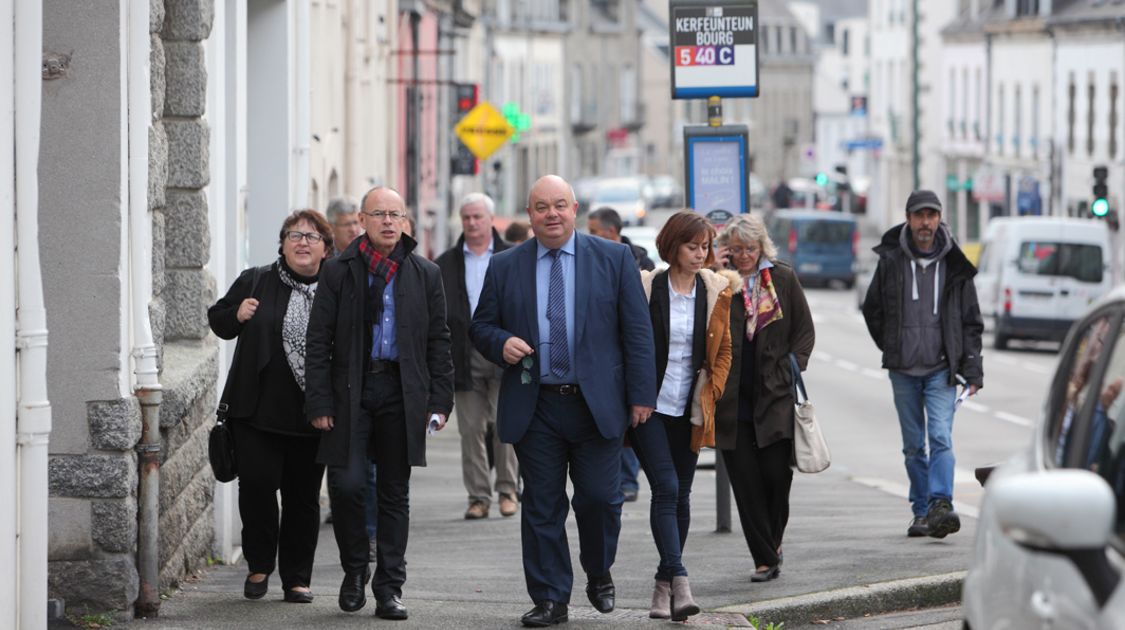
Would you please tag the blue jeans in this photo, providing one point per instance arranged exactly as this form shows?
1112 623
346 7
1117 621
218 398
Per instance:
925 406
630 466
663 446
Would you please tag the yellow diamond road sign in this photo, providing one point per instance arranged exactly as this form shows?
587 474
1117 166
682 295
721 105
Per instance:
484 130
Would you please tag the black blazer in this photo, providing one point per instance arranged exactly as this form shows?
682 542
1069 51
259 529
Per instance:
660 308
452 265
338 349
259 342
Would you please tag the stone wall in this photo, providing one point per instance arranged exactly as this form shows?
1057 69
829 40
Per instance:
181 247
93 464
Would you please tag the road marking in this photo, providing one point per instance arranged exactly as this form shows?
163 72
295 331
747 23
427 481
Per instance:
977 407
1013 418
872 373
847 365
822 356
902 490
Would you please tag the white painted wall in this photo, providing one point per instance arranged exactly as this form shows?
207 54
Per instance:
1101 57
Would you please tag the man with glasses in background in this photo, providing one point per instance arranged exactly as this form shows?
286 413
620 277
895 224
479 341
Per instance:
374 387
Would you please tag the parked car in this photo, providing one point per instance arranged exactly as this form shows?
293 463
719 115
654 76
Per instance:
1050 541
645 236
1037 275
627 195
666 192
821 246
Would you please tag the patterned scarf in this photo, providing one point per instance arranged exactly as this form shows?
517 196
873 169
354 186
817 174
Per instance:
382 269
295 326
762 306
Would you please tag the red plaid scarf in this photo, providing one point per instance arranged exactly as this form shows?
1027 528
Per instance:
377 264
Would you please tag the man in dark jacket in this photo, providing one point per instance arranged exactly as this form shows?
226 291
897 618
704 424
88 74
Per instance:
378 372
606 223
921 309
477 379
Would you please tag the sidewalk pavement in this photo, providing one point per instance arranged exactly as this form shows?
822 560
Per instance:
846 554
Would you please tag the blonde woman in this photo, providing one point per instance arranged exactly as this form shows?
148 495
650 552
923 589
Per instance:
769 319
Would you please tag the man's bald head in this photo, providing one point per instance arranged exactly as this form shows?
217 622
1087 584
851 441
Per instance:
552 209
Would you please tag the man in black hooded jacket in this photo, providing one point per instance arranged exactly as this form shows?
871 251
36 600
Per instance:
921 309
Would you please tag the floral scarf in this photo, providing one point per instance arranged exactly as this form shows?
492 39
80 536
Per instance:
760 299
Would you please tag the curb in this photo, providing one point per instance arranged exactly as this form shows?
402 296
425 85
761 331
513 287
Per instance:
857 601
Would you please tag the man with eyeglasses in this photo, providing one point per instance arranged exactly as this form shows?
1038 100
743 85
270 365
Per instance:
477 381
379 373
565 315
343 214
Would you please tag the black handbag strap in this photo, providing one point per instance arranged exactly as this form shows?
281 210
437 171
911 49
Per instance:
798 381
221 411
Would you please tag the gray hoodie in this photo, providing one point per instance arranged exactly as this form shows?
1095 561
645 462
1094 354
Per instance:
924 274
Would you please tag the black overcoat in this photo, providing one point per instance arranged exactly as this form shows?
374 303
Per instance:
338 350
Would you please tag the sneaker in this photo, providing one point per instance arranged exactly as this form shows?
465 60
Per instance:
918 527
477 510
942 520
631 494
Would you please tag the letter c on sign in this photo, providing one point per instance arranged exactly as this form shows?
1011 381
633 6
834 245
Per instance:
726 55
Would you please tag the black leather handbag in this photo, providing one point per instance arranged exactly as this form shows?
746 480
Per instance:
220 447
220 443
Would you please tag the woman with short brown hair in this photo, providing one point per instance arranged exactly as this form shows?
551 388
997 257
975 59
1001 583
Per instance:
689 305
267 310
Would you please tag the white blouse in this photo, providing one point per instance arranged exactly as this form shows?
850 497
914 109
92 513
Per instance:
674 390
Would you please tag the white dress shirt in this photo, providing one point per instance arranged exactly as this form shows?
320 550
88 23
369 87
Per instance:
674 390
475 268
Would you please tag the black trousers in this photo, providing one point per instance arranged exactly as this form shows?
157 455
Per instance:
380 436
761 479
267 463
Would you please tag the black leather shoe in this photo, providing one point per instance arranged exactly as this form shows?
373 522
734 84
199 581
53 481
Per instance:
299 597
255 590
390 608
766 575
941 520
352 591
601 593
546 613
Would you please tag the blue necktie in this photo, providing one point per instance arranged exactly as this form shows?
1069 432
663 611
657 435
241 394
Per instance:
556 316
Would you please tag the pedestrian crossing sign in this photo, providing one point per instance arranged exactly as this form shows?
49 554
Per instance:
484 130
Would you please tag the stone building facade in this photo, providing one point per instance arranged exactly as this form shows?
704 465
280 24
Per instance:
87 275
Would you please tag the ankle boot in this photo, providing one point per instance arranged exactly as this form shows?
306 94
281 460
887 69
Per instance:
683 604
661 600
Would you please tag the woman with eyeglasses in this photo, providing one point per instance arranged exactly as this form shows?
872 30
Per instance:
769 319
689 305
267 310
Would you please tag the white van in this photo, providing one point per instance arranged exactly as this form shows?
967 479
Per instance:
1037 275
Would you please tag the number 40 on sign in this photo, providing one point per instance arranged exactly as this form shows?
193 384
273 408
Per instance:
704 55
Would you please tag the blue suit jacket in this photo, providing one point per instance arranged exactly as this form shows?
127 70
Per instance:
614 358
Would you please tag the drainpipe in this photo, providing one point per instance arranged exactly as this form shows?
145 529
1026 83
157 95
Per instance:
33 411
9 483
145 370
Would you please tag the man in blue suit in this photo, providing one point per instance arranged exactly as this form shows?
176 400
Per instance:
565 315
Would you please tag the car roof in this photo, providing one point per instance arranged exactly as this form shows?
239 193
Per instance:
814 215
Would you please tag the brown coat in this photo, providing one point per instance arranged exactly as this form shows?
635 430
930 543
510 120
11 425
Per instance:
712 376
773 379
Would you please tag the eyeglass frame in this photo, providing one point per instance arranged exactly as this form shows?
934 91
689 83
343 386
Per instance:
312 237
527 363
383 214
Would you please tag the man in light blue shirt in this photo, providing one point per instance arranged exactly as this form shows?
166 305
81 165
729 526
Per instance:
543 264
477 380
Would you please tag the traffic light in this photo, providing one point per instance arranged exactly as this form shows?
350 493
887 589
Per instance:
822 179
1100 206
465 97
